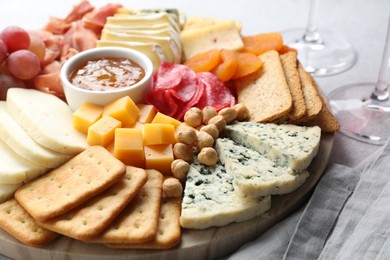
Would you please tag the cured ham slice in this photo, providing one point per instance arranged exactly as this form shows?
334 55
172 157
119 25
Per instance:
50 83
96 19
78 11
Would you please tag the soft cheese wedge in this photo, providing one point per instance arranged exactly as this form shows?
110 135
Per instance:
47 119
168 44
144 20
287 145
152 50
21 143
211 200
254 174
15 169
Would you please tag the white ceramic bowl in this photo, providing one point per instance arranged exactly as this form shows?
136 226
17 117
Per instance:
76 96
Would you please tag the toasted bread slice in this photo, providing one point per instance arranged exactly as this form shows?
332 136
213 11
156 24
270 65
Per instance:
290 68
265 93
325 118
312 96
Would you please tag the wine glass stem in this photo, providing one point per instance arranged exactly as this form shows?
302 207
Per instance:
381 91
311 34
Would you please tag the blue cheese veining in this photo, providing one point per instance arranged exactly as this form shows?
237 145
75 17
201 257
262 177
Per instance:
287 145
210 199
254 174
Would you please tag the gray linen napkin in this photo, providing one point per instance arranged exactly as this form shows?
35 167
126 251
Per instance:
348 216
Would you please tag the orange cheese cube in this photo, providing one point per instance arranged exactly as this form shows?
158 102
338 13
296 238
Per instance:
159 134
146 113
159 157
86 115
129 146
103 131
164 119
123 109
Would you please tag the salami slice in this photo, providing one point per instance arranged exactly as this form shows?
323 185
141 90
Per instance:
167 76
163 101
177 88
216 93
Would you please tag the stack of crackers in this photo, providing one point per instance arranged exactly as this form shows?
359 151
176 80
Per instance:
283 92
95 198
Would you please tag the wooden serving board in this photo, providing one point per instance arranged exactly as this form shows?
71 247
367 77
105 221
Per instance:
196 244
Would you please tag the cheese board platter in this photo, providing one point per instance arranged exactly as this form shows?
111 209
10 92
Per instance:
196 244
220 136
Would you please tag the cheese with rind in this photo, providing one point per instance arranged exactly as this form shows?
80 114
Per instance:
169 46
210 199
144 20
287 145
254 174
47 119
152 50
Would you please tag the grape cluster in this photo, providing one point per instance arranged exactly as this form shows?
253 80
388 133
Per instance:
21 53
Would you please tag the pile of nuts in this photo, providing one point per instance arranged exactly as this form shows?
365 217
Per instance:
197 135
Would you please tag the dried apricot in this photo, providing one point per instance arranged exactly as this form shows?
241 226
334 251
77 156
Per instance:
247 64
225 70
263 42
204 61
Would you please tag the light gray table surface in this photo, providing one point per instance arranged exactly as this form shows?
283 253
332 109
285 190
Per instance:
362 22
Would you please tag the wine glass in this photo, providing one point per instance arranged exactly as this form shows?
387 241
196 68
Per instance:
363 110
322 53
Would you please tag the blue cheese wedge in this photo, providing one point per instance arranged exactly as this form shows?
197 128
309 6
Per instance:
254 174
210 199
287 145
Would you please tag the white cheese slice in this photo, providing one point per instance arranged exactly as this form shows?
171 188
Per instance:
170 48
287 145
176 15
147 19
223 35
47 119
7 190
254 174
152 50
21 143
15 169
195 22
211 200
165 32
139 27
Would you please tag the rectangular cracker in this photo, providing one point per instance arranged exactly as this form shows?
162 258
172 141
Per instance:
92 217
139 221
169 230
70 185
311 95
265 93
290 68
18 223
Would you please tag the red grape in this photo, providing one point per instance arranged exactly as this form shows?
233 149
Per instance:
3 51
16 38
37 46
23 64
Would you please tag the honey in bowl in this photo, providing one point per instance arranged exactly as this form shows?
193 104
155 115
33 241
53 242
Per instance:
107 73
